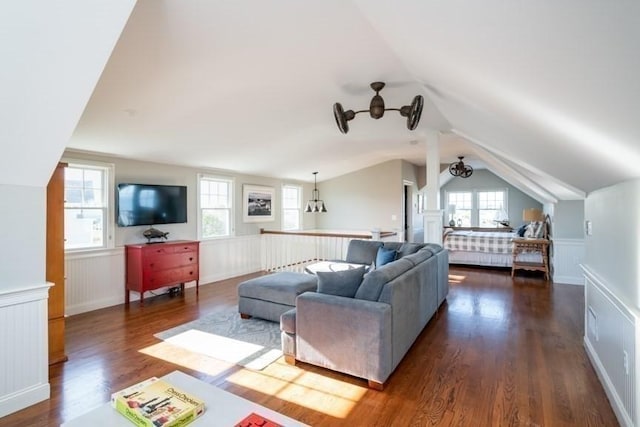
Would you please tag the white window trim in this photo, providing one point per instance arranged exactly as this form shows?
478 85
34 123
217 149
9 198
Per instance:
300 215
109 222
232 227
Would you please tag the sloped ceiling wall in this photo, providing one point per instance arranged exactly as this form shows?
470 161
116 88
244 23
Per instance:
542 93
53 54
551 87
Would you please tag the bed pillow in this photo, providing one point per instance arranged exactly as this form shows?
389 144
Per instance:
385 256
342 283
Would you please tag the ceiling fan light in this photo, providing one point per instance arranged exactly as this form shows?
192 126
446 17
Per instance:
376 108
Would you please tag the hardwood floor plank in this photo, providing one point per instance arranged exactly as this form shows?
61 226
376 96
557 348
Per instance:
499 352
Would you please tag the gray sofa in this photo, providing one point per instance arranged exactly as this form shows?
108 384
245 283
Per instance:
368 335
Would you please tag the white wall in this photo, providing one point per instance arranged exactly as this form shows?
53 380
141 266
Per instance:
365 199
53 54
612 251
612 280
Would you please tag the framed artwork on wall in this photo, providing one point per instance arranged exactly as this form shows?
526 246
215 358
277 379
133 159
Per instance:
258 203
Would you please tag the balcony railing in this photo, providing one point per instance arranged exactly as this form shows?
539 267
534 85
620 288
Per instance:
294 250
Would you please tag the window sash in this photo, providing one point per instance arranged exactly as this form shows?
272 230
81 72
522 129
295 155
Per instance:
291 207
88 205
215 207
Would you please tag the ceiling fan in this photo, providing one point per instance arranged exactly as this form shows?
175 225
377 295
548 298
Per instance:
376 110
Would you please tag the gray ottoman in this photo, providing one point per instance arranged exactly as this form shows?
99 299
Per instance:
267 297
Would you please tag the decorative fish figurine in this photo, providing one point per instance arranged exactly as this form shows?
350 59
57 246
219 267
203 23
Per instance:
154 233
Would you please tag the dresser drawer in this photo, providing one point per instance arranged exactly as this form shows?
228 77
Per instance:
187 247
171 277
169 261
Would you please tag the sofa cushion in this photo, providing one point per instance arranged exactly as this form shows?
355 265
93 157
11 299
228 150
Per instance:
281 288
434 247
385 256
374 281
343 283
408 249
422 255
362 251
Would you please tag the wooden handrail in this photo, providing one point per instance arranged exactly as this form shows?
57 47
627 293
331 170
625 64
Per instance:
383 234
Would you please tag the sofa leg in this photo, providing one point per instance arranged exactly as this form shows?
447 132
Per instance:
376 385
290 359
245 316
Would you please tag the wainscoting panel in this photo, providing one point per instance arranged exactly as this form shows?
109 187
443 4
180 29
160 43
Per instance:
222 259
94 280
610 341
567 255
24 360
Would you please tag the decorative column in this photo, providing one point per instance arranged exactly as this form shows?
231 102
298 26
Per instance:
433 213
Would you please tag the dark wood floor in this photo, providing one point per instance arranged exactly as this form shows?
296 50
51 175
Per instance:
499 352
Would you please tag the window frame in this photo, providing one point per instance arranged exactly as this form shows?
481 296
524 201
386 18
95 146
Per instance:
298 208
475 202
108 183
232 208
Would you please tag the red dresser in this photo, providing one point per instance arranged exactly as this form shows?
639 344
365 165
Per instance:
157 265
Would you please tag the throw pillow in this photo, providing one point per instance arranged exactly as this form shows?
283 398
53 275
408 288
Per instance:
342 283
385 256
522 229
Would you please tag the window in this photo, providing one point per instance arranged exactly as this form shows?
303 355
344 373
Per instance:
490 207
464 205
478 208
291 207
215 205
87 205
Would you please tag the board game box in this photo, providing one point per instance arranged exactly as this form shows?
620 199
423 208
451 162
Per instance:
156 403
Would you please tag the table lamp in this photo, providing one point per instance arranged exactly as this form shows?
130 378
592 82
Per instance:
452 210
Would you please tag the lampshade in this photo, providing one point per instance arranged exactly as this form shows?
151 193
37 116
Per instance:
532 214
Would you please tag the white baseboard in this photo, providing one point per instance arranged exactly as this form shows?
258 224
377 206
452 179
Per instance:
23 398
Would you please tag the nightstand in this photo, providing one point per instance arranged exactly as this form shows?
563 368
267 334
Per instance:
531 245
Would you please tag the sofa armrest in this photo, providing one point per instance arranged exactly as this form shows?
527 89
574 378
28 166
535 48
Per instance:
345 334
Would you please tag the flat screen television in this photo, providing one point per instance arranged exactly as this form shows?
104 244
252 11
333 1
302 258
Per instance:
146 204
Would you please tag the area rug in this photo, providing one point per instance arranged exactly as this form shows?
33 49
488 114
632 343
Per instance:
252 343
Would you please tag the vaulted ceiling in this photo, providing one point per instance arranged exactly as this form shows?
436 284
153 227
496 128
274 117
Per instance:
544 94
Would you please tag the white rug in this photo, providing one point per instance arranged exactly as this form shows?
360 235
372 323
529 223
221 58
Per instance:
252 343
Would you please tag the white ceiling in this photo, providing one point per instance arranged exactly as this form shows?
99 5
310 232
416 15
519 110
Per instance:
542 93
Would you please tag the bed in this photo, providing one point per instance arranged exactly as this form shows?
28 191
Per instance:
489 248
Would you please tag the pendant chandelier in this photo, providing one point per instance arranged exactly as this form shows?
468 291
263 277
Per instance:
315 204
460 169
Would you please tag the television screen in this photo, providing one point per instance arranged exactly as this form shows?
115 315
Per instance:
145 204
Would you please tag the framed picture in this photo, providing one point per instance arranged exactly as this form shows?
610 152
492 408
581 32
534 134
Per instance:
258 203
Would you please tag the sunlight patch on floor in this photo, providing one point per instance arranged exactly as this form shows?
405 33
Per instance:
186 358
310 390
455 279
